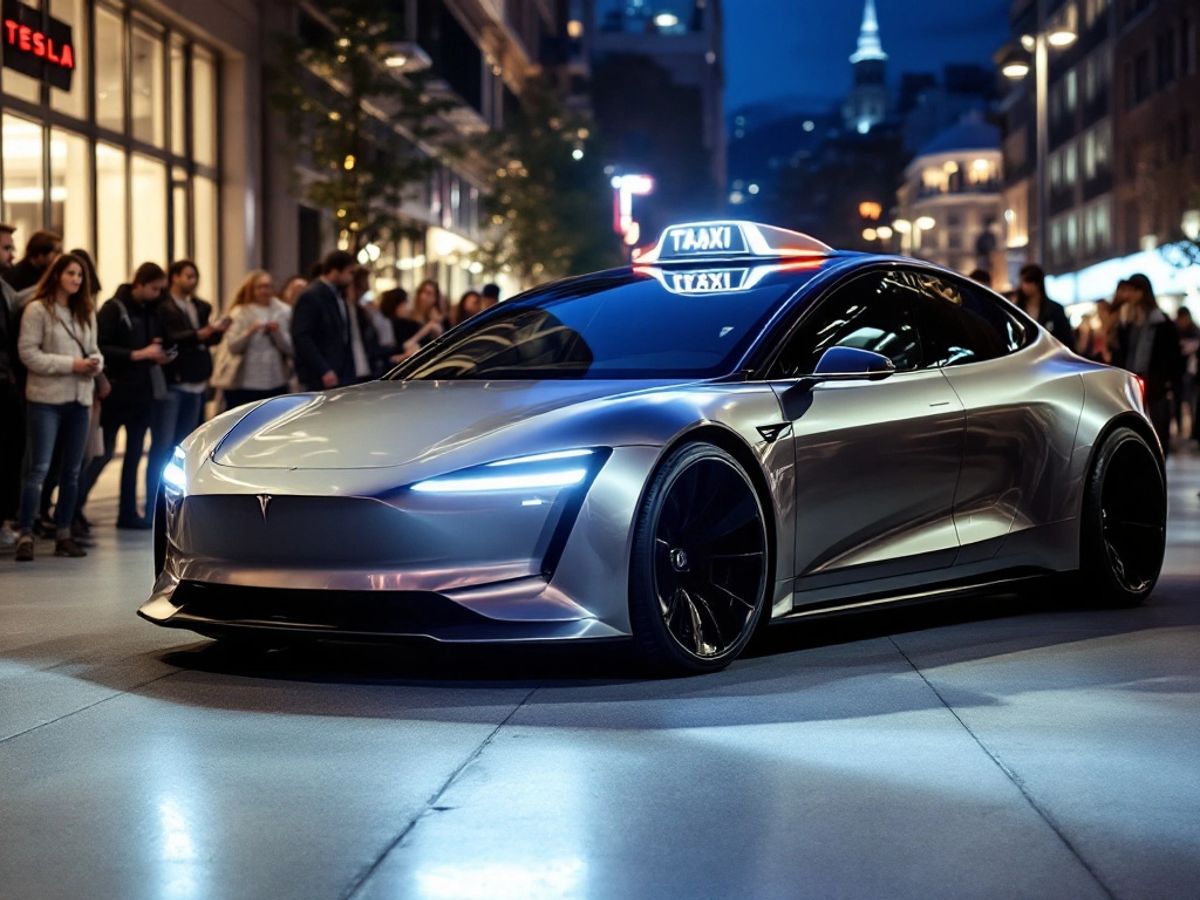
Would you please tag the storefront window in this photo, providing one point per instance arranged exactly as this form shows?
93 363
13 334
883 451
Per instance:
139 181
70 189
23 189
149 211
112 250
204 100
73 102
148 96
204 194
110 70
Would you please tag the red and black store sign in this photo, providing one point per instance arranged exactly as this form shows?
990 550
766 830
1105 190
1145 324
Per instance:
38 45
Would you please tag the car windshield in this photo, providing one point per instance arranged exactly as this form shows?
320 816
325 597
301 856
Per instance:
622 325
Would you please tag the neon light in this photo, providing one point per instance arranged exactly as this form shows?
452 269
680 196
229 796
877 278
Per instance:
698 282
32 40
730 239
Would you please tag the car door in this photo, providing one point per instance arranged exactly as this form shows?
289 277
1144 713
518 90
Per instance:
876 461
1022 406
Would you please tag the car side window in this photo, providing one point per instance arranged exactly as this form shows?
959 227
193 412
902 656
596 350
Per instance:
869 313
959 323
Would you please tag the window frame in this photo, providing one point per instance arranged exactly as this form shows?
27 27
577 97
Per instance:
767 371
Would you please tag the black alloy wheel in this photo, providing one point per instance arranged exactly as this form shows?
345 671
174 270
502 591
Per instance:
700 563
1125 518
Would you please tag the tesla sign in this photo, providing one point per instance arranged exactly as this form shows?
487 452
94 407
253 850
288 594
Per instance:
37 46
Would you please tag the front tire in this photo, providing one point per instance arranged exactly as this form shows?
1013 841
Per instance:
1123 533
700 563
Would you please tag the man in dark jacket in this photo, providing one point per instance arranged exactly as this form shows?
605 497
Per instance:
185 322
43 248
130 337
321 327
1031 297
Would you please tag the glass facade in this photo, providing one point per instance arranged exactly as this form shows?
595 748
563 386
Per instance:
126 163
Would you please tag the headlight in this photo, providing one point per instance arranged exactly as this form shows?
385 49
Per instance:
560 469
174 475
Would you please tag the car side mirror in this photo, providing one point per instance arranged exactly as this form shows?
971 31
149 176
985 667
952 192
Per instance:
851 364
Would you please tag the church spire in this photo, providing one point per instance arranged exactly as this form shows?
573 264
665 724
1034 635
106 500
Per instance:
869 46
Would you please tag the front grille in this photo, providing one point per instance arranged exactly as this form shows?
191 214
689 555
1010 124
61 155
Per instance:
316 530
383 612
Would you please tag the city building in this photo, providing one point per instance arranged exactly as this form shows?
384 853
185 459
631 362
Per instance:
867 104
160 142
949 206
1121 152
656 90
929 104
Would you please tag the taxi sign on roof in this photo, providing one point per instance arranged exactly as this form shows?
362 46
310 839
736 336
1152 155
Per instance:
728 240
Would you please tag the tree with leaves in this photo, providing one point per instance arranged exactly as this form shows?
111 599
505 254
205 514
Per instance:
364 135
549 201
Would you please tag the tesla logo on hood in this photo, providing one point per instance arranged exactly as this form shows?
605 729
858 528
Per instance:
264 501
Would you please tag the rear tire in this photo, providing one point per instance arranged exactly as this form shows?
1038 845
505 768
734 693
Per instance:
1123 530
699 568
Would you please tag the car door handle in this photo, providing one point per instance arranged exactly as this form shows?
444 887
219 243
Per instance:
942 403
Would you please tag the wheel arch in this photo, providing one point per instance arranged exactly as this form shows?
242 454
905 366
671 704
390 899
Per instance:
732 443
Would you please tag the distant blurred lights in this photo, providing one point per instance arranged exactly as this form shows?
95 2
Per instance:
809 125
870 234
575 29
902 226
737 197
884 232
753 188
577 154
925 223
666 20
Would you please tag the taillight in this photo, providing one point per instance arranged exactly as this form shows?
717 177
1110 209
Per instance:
1141 383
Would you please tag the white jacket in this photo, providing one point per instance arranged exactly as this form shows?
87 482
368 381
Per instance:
49 353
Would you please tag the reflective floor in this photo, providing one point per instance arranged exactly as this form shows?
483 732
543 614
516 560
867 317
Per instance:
992 748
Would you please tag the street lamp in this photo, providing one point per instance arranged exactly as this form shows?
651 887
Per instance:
1014 68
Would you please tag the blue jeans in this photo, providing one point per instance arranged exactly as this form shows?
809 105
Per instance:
188 406
135 424
46 424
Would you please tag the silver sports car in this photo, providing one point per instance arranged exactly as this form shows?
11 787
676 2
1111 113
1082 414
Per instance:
743 427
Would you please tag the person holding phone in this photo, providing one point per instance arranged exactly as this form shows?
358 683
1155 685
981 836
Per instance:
59 347
131 340
254 362
188 328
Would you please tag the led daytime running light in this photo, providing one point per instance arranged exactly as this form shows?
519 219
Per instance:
557 474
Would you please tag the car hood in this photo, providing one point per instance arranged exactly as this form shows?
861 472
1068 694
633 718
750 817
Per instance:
393 423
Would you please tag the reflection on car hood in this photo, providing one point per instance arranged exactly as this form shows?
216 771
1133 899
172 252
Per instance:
391 423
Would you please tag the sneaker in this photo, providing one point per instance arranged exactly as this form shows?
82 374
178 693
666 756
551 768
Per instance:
135 524
68 547
25 548
8 536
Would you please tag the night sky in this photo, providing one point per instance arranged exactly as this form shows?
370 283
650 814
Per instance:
781 48
800 48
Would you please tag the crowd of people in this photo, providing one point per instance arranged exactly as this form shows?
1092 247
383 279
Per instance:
74 375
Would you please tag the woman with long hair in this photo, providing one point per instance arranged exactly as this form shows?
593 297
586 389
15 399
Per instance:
254 360
80 526
58 346
429 312
468 305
